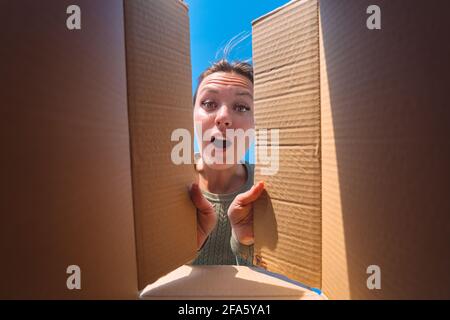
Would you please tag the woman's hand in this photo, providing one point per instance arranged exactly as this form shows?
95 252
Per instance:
206 215
240 214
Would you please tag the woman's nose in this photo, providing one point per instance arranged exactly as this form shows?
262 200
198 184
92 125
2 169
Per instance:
223 118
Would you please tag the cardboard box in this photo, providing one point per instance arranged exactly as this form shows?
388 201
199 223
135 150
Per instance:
381 172
88 179
87 133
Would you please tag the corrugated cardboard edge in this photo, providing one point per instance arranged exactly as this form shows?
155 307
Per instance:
275 11
184 4
130 143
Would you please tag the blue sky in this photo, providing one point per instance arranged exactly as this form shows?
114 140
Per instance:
215 22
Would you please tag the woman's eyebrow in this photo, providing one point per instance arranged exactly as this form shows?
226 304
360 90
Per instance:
210 90
240 93
244 93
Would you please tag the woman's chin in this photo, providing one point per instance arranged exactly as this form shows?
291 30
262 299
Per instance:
218 166
219 161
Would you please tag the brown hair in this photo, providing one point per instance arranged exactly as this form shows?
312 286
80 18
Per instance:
240 67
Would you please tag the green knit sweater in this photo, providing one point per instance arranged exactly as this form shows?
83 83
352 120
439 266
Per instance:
221 248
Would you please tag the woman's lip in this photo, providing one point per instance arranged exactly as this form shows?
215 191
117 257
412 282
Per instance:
220 143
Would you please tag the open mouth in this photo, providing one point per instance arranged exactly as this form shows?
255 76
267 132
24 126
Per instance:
220 143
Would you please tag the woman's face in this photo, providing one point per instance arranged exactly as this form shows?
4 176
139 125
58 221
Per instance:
224 101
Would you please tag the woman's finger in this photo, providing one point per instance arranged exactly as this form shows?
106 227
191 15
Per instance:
251 195
198 199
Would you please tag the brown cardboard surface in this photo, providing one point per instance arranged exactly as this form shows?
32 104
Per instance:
385 150
296 180
159 101
287 97
65 164
225 282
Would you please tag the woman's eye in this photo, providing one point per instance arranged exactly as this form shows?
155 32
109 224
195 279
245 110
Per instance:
241 108
209 105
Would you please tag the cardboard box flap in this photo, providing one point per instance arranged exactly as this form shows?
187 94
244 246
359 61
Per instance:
287 98
159 102
226 282
385 156
65 165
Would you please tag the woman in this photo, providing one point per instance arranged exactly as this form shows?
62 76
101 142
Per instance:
224 194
